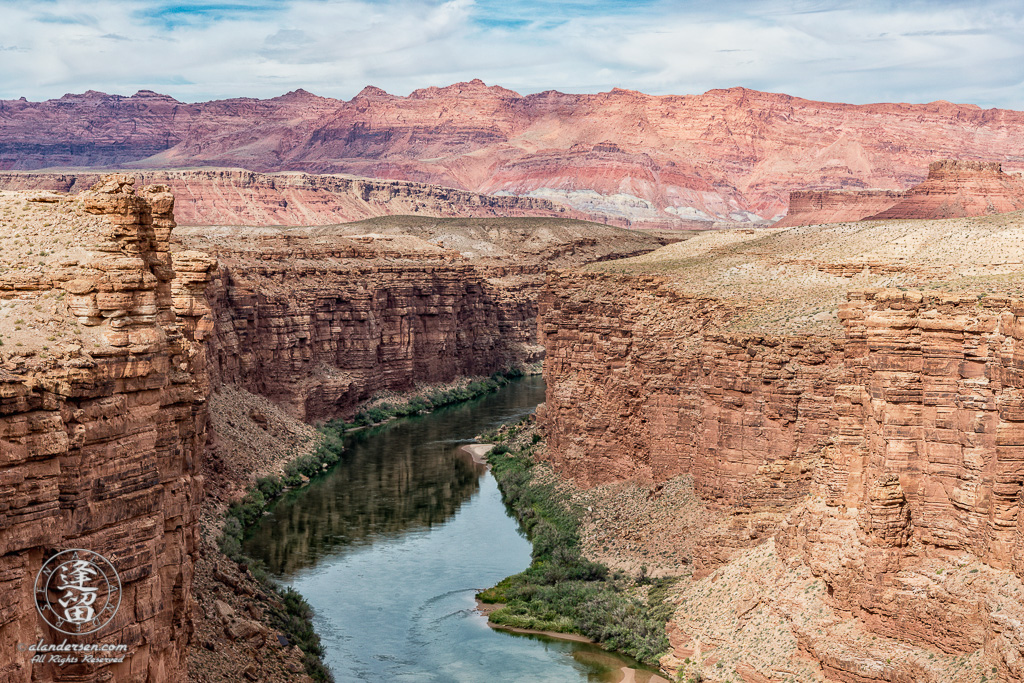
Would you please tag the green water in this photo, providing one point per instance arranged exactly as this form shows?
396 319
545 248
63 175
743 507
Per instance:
391 546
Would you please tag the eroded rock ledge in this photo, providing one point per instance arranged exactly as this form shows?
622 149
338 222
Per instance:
863 477
952 189
238 197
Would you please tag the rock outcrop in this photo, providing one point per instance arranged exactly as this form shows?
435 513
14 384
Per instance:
867 434
236 197
102 422
814 207
726 155
953 189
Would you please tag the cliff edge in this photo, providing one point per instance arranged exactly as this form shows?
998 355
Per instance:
102 420
843 403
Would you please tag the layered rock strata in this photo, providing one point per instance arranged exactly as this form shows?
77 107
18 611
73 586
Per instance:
813 207
953 189
237 197
321 319
959 188
724 155
348 331
102 422
871 463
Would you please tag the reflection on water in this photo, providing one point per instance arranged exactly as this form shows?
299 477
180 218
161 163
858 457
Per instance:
416 484
599 664
391 546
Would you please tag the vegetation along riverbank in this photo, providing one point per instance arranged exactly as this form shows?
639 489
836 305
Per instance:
287 611
563 591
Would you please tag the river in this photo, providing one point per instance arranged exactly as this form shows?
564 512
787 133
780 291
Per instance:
391 546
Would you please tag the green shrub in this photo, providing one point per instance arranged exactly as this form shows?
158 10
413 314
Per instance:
562 590
230 541
294 618
249 509
271 487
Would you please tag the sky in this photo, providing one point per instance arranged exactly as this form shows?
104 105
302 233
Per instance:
195 50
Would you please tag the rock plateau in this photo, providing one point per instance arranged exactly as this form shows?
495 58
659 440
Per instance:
953 189
236 197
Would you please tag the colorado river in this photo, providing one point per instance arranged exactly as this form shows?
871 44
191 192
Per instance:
391 546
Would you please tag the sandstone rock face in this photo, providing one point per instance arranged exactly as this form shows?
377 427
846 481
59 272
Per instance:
959 188
235 197
731 155
813 207
927 452
746 415
953 189
102 422
883 459
321 319
338 335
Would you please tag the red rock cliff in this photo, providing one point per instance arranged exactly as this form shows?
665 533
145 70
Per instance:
746 416
236 197
959 188
102 422
953 189
882 455
813 207
338 334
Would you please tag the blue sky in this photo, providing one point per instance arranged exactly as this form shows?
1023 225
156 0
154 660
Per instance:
866 51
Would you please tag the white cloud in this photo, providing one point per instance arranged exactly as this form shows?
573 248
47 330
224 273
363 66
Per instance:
853 52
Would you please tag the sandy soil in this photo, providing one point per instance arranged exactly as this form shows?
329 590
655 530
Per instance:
792 280
477 451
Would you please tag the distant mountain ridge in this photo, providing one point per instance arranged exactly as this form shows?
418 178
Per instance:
731 155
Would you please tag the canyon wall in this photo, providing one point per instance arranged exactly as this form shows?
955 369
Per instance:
724 155
237 197
102 422
926 463
879 454
321 319
335 336
641 387
923 386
